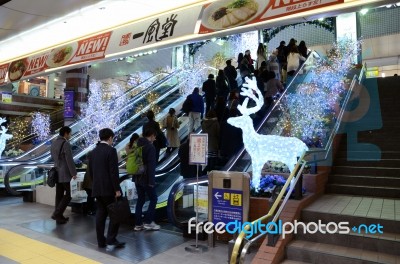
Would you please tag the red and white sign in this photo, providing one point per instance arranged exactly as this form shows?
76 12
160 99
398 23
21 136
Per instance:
279 8
198 148
92 48
154 30
226 14
37 64
3 73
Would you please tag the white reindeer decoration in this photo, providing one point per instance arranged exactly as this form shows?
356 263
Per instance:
263 148
3 136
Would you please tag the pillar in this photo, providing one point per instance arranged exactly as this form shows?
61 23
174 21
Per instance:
77 81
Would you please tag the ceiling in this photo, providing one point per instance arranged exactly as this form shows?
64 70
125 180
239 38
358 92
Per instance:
60 21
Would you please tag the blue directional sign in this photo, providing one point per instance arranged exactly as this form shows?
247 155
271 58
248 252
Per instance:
227 205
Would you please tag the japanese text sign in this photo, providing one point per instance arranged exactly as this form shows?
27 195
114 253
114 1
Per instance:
227 205
198 148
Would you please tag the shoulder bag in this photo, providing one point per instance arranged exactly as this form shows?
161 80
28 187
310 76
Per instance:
52 175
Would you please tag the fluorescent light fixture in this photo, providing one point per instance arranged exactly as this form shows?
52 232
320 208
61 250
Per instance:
383 75
364 11
321 19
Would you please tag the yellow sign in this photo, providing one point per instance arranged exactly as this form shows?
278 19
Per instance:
227 196
6 97
236 199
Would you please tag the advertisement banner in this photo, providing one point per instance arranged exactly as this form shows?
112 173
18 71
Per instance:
92 48
3 73
164 27
6 97
226 14
36 64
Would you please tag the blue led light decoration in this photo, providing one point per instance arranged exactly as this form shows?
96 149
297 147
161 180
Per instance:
263 148
41 125
3 136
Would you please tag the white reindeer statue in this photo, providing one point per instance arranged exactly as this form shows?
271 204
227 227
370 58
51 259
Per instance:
263 148
3 136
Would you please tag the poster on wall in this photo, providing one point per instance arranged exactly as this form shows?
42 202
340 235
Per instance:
69 104
6 97
226 14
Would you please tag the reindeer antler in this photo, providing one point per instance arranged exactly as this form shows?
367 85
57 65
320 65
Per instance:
259 100
2 120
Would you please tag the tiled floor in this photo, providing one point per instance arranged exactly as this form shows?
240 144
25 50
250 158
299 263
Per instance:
75 242
380 208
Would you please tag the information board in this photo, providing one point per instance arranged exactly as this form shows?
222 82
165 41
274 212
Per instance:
201 203
227 205
198 148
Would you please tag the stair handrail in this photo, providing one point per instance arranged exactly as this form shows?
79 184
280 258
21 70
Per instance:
298 168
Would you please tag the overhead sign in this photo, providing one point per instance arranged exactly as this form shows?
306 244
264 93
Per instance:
226 14
227 205
164 27
198 148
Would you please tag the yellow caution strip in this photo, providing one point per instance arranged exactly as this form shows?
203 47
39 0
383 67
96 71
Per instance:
26 250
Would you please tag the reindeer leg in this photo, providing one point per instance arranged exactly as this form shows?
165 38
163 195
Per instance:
257 167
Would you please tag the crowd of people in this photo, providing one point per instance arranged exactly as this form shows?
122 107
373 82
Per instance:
218 99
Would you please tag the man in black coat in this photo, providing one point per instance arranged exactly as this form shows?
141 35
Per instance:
231 74
146 183
103 168
210 92
161 141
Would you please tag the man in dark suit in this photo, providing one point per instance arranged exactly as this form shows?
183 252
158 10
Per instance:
161 141
103 169
62 155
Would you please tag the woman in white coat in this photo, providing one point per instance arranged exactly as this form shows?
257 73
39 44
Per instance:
171 124
293 59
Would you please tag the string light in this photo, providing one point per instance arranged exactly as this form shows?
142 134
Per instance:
19 128
103 109
41 125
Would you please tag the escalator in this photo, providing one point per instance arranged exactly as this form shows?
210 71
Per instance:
41 151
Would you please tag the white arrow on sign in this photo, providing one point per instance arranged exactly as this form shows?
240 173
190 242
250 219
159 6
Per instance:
217 195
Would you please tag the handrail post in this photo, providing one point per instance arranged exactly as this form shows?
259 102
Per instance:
273 235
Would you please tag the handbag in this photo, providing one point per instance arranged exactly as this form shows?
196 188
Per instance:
52 175
119 211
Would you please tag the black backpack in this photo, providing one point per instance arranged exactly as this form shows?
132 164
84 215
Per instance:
187 105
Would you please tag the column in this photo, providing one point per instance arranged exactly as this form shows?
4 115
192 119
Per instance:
77 80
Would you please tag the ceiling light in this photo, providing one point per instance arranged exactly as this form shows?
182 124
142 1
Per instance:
388 6
364 11
321 19
398 4
383 75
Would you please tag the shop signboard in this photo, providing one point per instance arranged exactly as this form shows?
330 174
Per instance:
202 200
3 73
225 14
69 104
92 48
37 64
227 205
154 30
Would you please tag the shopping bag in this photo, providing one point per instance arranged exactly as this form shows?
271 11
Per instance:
78 194
119 211
128 189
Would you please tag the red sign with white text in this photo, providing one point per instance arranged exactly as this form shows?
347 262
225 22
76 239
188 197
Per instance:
3 73
37 64
92 48
226 14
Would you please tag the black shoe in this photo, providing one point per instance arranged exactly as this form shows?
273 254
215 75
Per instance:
115 245
101 245
61 221
61 218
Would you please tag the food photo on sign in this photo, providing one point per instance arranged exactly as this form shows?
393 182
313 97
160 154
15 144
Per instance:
230 13
60 56
17 69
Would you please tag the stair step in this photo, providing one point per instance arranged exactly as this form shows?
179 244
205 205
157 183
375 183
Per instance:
389 224
388 243
343 153
362 190
364 180
392 163
288 261
324 253
375 171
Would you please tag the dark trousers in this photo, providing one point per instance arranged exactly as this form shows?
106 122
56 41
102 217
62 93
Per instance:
151 193
209 104
90 203
63 197
101 216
